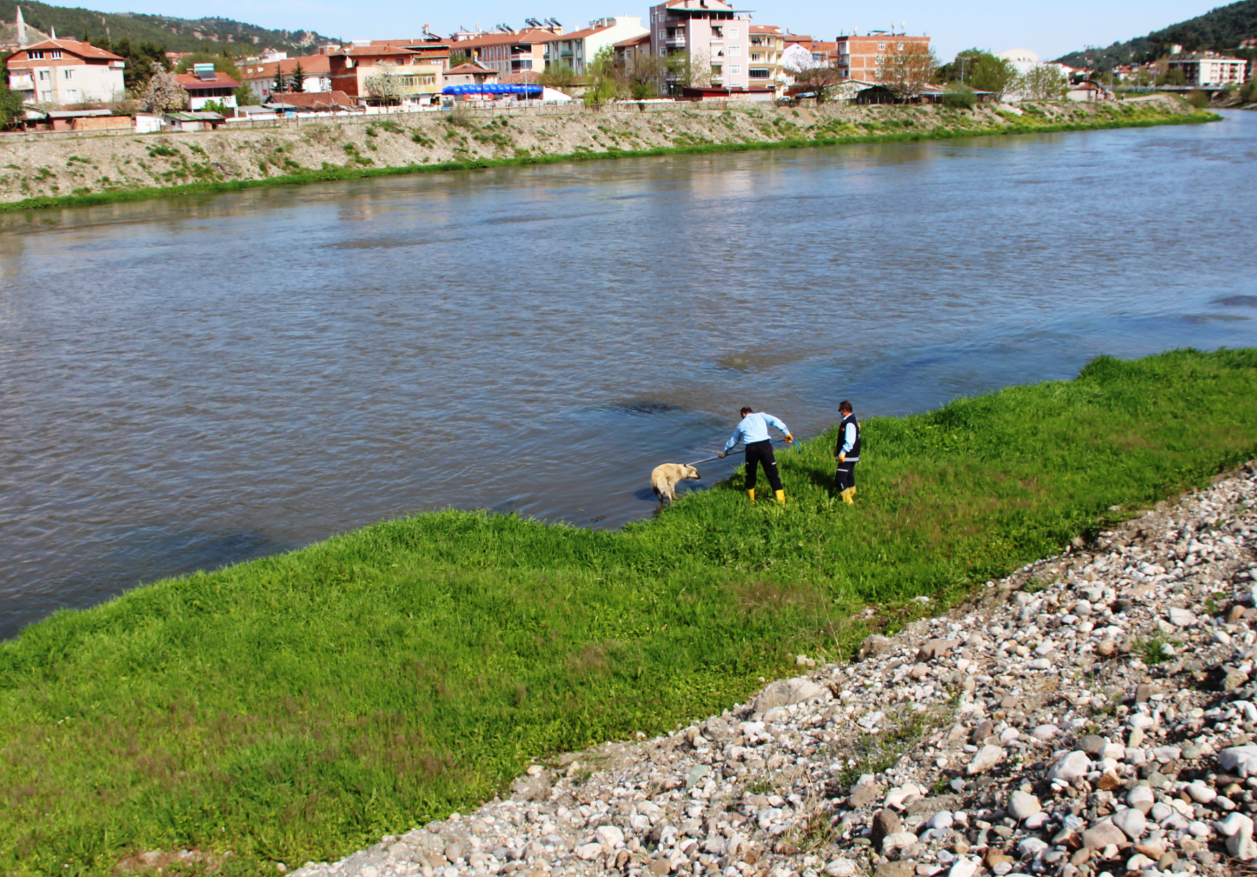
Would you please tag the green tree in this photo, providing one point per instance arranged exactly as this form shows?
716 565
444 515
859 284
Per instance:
12 110
559 75
642 74
280 84
1042 82
688 70
162 93
140 58
602 82
298 78
981 70
457 58
815 78
246 97
907 68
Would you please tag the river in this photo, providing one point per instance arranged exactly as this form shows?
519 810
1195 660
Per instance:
191 382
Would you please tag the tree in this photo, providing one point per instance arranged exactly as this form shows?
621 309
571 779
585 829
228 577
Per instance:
981 70
457 58
383 84
163 92
559 75
602 83
298 83
814 78
642 72
140 59
906 68
246 97
688 70
1042 82
280 84
12 110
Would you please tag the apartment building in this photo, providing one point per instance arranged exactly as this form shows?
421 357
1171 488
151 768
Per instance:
708 30
316 74
520 53
767 44
579 48
62 72
1210 70
416 77
859 57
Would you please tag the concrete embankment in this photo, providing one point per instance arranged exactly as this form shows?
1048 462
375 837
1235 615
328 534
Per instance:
1091 714
37 172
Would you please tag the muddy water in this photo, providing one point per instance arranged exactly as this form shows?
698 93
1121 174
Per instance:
192 382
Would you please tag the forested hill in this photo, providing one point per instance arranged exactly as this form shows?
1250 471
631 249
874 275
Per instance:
1219 30
176 34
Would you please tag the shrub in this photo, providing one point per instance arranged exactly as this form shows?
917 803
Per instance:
960 97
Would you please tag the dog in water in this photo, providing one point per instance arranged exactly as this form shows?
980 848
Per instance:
663 481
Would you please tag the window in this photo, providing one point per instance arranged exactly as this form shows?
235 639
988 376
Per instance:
55 54
881 47
69 73
900 47
43 75
757 73
35 56
734 33
735 69
735 51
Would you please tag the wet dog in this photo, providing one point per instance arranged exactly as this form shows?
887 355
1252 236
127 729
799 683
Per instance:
664 479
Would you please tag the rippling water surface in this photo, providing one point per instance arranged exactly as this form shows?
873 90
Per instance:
197 381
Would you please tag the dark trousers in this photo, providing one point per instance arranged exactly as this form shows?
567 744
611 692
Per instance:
761 453
845 476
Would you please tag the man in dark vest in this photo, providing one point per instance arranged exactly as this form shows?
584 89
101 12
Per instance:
847 452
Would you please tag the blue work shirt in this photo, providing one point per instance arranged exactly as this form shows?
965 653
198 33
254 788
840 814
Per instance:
754 428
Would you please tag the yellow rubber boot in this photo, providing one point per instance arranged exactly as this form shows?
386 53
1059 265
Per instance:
751 494
848 496
781 497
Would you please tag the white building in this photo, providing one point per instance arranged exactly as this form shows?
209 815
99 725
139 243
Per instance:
579 48
63 72
1209 70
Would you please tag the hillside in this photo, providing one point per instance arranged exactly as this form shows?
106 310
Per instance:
1221 29
176 34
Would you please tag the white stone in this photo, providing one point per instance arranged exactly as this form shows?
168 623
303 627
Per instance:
1239 760
1023 805
963 867
842 868
985 759
1131 822
609 836
1235 823
1070 767
1201 793
898 841
588 852
1181 617
941 820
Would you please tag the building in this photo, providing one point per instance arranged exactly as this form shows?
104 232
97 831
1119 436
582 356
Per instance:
310 102
518 54
470 74
860 57
804 53
1209 70
764 65
628 51
711 32
316 74
579 48
415 78
62 72
206 85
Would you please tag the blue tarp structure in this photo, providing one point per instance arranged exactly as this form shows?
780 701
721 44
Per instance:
528 90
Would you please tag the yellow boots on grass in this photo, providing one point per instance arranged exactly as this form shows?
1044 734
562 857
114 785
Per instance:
848 495
781 495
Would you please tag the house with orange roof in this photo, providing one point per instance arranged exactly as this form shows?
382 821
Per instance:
206 85
62 72
521 53
578 48
416 78
316 74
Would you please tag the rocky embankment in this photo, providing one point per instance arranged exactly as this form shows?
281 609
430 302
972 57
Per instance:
41 168
1092 714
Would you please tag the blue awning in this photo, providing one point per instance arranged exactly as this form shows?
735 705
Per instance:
493 88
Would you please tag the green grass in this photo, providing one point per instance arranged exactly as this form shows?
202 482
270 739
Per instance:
1126 117
300 706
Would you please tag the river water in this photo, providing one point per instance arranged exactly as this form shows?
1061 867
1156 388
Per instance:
191 382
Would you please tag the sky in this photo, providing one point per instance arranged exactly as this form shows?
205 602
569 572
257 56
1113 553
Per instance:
1051 29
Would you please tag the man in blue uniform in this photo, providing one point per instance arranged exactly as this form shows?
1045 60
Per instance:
847 452
753 433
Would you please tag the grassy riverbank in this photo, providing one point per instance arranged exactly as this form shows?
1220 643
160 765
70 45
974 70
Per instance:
110 170
300 706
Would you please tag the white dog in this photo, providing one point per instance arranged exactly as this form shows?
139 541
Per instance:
663 480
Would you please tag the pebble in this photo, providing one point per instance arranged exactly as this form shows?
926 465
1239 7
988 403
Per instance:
1044 744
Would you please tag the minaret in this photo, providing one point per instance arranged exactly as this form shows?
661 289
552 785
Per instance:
53 34
20 24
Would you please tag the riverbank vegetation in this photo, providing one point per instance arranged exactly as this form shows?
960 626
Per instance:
300 706
125 168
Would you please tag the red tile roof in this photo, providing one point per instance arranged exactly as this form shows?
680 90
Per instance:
311 65
74 47
191 82
633 41
312 100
